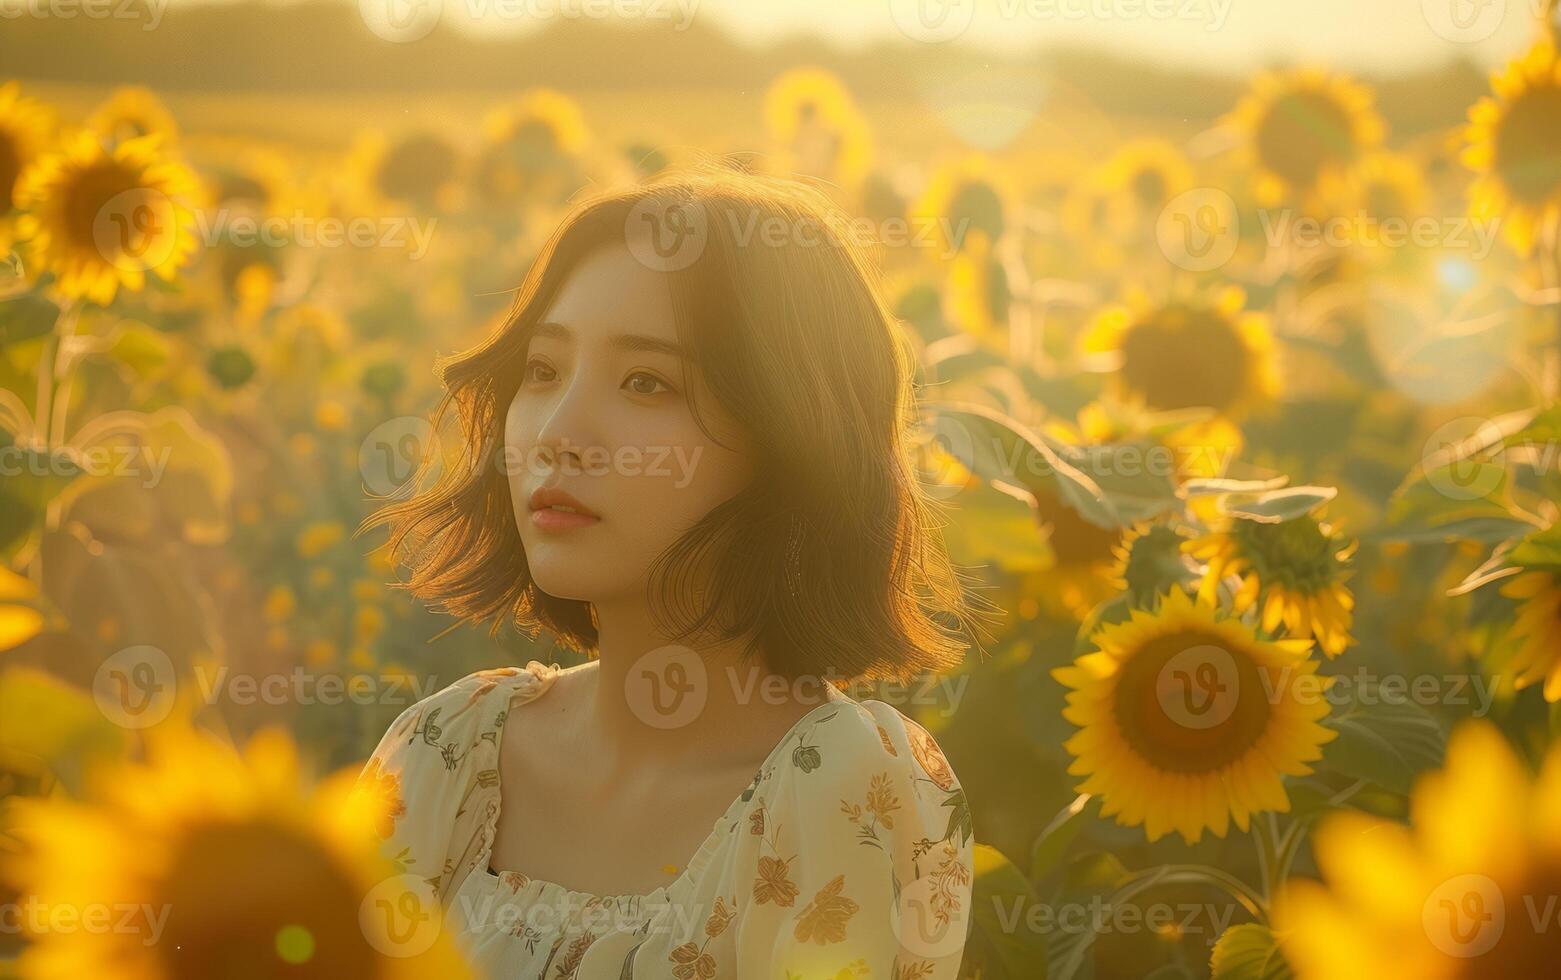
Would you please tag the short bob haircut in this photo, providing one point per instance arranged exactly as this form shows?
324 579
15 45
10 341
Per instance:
830 563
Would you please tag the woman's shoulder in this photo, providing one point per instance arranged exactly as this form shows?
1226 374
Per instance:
865 764
448 721
869 736
427 774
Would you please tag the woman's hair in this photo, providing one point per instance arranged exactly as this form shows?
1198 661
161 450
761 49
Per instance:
830 563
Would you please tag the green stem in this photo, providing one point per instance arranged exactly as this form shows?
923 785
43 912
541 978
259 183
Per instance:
1170 874
64 328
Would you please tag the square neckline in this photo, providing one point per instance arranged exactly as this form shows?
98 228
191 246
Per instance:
694 864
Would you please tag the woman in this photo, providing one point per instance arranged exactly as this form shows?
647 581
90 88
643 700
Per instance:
684 455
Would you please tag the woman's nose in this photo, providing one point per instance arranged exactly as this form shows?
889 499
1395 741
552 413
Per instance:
566 432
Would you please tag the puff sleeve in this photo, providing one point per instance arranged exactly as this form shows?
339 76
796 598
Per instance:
856 861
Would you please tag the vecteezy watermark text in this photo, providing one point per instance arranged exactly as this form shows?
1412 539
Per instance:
149 12
246 230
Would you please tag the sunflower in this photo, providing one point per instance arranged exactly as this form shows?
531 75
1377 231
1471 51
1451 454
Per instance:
1513 142
977 294
531 148
1293 571
1150 562
132 112
1303 127
1381 187
24 130
220 863
20 618
253 179
962 197
1462 892
1080 577
1188 720
420 169
1116 204
1200 442
812 119
1537 630
1202 352
101 219
549 120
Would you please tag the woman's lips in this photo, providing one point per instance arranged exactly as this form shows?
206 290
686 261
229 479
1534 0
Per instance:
544 502
548 519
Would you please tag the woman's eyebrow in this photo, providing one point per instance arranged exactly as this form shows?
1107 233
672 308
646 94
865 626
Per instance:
625 342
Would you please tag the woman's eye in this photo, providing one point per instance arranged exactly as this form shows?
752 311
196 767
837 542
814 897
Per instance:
641 379
532 369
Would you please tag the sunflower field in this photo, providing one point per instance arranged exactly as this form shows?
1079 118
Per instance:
1244 417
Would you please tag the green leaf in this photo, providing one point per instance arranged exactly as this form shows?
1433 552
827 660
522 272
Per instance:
166 456
1542 549
48 724
1387 741
1277 506
1134 476
1004 450
1047 850
1095 873
1214 486
991 524
139 348
27 316
1248 952
1464 499
1001 940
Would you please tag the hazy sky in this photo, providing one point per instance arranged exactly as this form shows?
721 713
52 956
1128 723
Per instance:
1361 34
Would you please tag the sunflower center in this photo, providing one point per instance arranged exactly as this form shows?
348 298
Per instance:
975 206
535 144
1185 357
1304 134
233 888
1529 943
1149 187
241 188
1384 200
1528 145
1075 541
1295 553
415 168
10 169
1154 562
87 203
1189 703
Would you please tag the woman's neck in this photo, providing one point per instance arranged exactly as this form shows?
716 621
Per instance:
667 699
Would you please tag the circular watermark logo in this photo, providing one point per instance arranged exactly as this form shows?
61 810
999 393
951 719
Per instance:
136 230
390 454
136 687
1468 478
665 234
1464 21
1199 687
932 21
401 916
1199 230
1464 916
667 687
401 21
930 921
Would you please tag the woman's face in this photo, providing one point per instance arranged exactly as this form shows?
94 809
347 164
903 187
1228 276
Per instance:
602 414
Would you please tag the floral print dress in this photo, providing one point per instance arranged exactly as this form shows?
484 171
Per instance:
848 856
